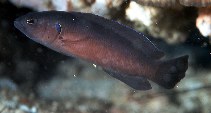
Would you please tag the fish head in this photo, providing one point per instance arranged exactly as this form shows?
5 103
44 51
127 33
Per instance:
40 27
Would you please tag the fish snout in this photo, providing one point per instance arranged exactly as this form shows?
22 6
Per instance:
17 23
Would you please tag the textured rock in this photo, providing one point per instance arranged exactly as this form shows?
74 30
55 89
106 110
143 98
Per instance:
160 22
203 21
99 7
173 3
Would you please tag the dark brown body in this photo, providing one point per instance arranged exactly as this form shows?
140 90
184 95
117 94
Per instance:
110 52
122 52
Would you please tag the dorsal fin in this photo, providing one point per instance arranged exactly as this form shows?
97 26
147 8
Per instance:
139 40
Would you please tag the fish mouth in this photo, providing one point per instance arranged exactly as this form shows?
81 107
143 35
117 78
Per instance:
19 25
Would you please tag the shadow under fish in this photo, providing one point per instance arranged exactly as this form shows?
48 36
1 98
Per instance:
123 53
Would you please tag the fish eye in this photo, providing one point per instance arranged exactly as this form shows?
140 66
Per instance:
58 27
30 21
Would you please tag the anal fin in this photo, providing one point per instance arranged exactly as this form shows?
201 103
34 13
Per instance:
136 82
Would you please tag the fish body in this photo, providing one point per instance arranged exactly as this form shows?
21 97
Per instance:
122 52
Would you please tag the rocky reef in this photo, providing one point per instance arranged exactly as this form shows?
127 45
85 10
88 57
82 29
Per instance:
203 21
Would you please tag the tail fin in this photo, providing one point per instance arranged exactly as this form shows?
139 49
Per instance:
170 72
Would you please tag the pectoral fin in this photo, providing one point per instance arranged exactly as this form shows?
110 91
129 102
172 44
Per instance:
136 82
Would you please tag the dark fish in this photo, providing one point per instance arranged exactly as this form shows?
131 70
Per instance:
121 51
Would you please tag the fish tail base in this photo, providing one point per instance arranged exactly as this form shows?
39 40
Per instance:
170 72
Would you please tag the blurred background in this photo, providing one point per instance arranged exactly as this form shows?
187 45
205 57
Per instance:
35 79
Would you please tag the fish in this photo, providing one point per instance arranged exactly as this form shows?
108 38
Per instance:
122 52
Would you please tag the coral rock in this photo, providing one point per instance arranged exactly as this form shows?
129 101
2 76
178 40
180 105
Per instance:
203 21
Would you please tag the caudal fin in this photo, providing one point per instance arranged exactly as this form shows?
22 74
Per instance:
170 72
